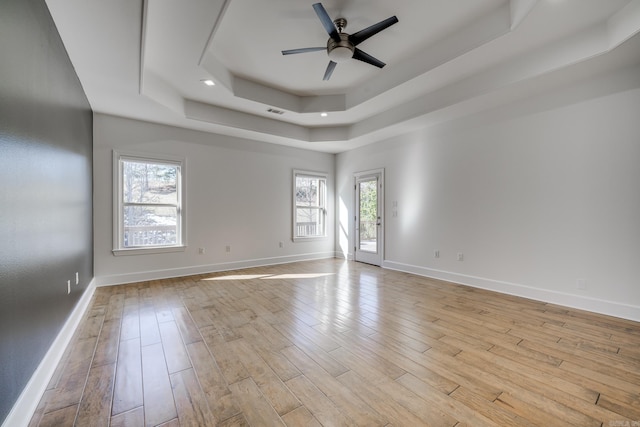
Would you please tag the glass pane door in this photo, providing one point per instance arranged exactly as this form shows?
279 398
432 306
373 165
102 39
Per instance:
368 215
369 222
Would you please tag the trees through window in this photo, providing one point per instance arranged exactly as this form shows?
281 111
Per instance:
310 194
149 203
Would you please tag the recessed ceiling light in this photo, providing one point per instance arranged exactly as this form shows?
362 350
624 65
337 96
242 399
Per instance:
324 114
208 82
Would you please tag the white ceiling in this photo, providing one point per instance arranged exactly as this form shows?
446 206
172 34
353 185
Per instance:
146 59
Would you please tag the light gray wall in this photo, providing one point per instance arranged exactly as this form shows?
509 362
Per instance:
536 195
239 193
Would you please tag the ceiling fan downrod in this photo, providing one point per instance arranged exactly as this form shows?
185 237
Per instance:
340 24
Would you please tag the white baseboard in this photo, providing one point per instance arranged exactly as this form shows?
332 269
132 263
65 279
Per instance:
119 279
28 400
610 308
343 255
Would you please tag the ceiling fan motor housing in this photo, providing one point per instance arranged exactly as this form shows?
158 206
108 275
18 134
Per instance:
342 50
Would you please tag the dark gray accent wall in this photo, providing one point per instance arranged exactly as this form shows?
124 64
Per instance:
45 191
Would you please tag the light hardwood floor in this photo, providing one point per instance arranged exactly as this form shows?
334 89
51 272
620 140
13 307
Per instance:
339 343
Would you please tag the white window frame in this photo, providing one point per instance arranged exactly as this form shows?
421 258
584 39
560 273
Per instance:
322 207
118 203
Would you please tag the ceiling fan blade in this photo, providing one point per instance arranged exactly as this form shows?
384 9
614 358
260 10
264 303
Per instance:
365 57
362 35
303 50
329 71
327 22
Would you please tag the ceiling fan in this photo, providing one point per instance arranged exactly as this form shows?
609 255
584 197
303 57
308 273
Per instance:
342 46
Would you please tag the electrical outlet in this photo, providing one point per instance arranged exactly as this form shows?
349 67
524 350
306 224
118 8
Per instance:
228 248
436 254
281 244
68 287
201 251
460 256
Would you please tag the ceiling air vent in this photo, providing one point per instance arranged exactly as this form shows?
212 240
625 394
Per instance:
274 111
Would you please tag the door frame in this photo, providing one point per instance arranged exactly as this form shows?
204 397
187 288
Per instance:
378 257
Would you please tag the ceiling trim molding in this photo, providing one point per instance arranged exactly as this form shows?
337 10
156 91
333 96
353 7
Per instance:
519 11
143 43
214 29
625 23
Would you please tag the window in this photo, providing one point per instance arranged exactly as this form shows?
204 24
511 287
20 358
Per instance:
149 214
309 210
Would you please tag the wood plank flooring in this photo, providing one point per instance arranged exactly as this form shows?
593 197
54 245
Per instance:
332 343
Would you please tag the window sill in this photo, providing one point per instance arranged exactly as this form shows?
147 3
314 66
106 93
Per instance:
309 239
148 251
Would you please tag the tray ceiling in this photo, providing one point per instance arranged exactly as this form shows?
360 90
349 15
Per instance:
445 59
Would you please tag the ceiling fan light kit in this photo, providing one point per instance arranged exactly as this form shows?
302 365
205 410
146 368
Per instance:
340 51
342 46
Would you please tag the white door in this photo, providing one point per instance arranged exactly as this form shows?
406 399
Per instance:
369 225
